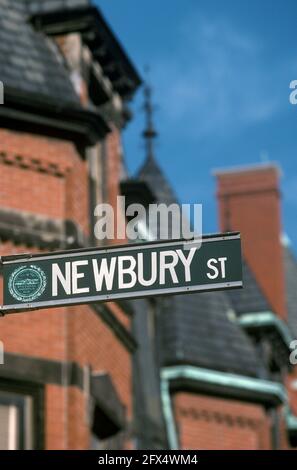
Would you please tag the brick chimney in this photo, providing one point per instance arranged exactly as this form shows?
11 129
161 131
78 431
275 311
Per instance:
249 201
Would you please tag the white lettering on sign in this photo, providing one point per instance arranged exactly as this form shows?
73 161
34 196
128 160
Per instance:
105 273
69 280
187 262
127 271
65 280
216 271
153 278
124 272
168 265
76 275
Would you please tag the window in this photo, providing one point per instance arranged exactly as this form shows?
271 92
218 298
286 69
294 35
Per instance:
21 415
16 421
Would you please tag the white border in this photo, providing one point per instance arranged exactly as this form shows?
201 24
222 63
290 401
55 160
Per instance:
107 298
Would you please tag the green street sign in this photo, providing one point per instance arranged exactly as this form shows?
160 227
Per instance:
103 274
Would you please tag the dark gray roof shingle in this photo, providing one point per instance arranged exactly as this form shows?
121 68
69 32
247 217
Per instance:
201 330
30 63
250 299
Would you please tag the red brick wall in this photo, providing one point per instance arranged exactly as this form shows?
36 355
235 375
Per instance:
44 176
92 342
77 195
78 436
55 436
47 177
292 390
66 422
114 170
206 423
249 201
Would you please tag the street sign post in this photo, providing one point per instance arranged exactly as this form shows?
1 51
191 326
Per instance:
104 274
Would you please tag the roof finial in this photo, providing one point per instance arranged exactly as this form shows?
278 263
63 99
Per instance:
149 134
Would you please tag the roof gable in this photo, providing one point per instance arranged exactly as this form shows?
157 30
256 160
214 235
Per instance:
153 175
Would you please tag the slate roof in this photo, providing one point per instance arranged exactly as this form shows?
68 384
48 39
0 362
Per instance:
29 62
154 177
250 299
198 329
291 286
54 17
201 330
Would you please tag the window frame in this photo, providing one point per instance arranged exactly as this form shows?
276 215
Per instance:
36 392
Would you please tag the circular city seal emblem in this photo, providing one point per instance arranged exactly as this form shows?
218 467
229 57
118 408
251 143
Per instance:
27 283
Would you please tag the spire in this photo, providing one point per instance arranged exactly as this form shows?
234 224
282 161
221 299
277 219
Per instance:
149 134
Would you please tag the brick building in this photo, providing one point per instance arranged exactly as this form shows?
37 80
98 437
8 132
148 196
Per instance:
67 378
202 371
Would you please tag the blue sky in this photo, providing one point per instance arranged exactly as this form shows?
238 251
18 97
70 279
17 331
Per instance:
221 72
